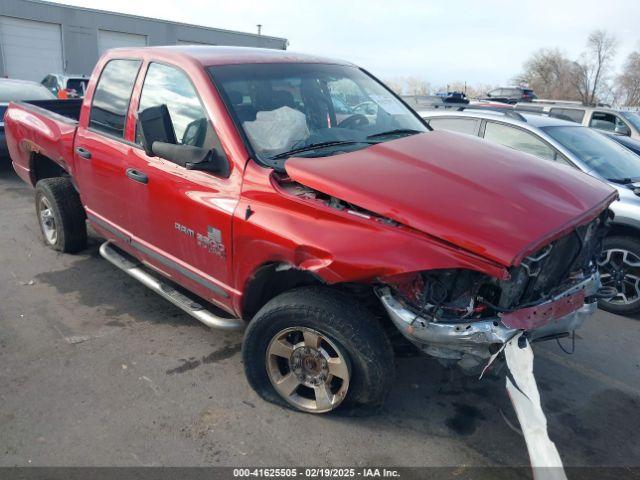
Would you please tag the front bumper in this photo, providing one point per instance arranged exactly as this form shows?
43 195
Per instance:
472 342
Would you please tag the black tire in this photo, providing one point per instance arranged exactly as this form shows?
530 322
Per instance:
68 215
627 244
345 322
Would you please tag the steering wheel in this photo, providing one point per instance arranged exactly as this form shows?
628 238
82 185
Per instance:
354 121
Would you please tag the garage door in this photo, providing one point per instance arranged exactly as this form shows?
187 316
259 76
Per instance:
30 50
108 39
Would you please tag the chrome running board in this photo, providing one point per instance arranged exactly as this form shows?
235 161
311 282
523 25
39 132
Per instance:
163 289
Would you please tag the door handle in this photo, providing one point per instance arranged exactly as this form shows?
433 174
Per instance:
83 152
137 176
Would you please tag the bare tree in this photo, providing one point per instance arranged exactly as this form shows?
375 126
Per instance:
591 70
628 82
417 86
409 86
395 84
548 73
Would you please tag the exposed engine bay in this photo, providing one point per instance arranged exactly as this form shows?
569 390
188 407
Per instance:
462 295
463 316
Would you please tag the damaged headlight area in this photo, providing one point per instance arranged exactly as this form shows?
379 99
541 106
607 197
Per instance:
463 317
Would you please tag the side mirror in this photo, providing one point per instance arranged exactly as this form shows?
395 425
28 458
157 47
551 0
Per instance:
192 158
154 125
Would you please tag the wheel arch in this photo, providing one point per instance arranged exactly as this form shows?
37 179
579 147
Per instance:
41 167
270 280
623 230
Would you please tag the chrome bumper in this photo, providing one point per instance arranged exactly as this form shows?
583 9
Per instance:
480 338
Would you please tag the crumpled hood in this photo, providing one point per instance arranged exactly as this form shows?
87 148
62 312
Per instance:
487 199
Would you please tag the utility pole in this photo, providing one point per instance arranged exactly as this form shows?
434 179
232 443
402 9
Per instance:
259 29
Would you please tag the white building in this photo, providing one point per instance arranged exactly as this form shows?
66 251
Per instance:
38 38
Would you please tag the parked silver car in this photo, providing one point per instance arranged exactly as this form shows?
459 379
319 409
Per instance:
579 147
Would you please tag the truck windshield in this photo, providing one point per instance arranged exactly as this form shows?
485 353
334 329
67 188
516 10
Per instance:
600 154
311 109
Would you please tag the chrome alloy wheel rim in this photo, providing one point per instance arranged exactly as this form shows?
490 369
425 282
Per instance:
307 369
620 268
47 221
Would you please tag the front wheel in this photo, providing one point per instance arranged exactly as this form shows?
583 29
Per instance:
619 267
315 349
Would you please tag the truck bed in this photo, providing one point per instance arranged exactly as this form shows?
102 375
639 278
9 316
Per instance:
41 128
70 109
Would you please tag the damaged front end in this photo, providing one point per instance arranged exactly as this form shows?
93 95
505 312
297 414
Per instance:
464 317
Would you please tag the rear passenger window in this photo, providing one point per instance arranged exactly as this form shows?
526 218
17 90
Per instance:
518 140
572 114
112 95
165 85
460 125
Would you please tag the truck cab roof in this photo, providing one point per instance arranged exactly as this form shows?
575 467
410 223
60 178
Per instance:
207 55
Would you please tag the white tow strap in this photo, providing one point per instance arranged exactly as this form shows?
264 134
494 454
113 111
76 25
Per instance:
545 459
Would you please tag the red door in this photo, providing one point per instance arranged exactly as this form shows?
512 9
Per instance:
183 223
100 147
181 219
100 172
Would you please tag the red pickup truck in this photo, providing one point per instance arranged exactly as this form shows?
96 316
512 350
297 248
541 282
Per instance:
299 197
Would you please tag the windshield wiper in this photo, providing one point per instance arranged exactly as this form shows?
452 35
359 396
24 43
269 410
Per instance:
397 131
622 181
315 146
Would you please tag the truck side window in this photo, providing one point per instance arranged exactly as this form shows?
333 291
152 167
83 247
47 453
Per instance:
165 85
603 121
112 95
609 122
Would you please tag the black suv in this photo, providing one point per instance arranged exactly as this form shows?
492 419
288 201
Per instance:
511 95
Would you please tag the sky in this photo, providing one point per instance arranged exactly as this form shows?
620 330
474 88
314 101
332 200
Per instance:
441 42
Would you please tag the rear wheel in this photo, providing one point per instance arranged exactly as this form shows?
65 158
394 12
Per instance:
315 349
60 214
619 267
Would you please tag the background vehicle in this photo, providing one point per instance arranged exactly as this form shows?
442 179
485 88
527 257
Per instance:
582 148
511 95
601 118
13 91
631 143
421 102
66 86
329 237
453 97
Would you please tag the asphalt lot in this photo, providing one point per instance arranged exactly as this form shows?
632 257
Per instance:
97 370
